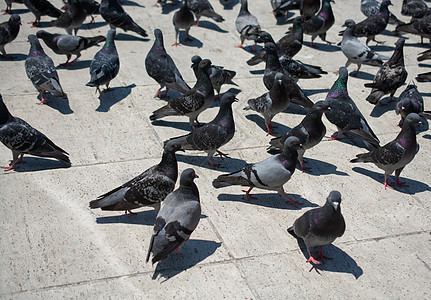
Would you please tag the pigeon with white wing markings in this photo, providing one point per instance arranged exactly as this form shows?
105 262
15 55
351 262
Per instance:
106 64
415 8
269 174
203 8
41 71
42 8
72 18
8 32
320 226
247 25
147 189
183 19
410 101
395 155
177 219
21 138
320 23
161 67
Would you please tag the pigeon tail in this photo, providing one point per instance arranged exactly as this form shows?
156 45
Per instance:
136 28
109 199
375 95
213 15
163 112
230 179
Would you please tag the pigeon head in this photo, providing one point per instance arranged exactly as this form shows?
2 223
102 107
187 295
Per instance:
187 177
244 6
385 4
264 37
196 59
35 47
279 76
204 65
349 23
334 199
270 47
15 19
228 98
173 146
292 142
298 20
339 88
412 119
42 34
321 106
158 35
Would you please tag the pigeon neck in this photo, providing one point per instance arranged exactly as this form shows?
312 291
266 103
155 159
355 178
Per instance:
329 209
272 61
384 11
204 83
158 44
5 115
397 57
169 164
407 134
35 48
339 88
109 44
289 158
349 32
224 114
244 8
297 31
326 9
13 25
188 186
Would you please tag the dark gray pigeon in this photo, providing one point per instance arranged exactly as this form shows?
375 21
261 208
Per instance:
215 134
161 68
203 8
391 75
147 189
320 23
247 25
178 218
424 77
269 174
41 8
425 55
345 114
41 71
410 101
395 155
280 8
68 44
310 132
372 7
106 64
8 9
183 19
415 8
307 8
8 32
21 138
272 102
114 14
193 102
320 226
72 18
218 75
91 7
299 70
421 27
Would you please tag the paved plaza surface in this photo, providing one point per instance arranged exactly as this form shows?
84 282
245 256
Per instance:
53 246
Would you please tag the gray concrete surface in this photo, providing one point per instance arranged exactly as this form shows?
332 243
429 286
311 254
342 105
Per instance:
53 246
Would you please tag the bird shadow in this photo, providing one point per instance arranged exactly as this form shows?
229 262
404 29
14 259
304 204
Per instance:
270 200
316 91
362 75
318 167
417 45
261 123
110 98
427 136
412 187
227 164
230 5
191 253
178 125
80 64
257 72
250 49
166 9
130 3
323 47
295 109
146 217
285 20
60 104
34 164
211 26
93 25
16 57
382 48
424 65
43 25
19 11
195 42
130 37
351 140
380 110
341 262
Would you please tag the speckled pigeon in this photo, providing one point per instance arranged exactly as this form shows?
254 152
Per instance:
42 8
177 219
372 7
269 174
421 27
415 8
203 8
8 32
147 189
72 18
183 19
320 226
410 101
21 138
247 25
320 23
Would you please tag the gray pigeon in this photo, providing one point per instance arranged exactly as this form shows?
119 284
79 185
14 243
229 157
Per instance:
41 71
161 68
415 8
218 74
8 32
114 14
21 138
193 102
72 18
247 25
269 174
390 76
147 189
425 55
68 44
272 102
8 9
345 114
178 218
106 64
395 155
320 23
183 19
357 52
410 101
203 8
310 132
320 226
215 134
421 27
424 77
370 7
42 8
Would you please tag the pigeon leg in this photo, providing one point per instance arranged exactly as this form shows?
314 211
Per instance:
92 19
15 160
397 177
321 256
176 43
165 94
158 93
282 193
66 63
197 22
255 48
20 160
43 100
76 59
35 23
239 46
357 71
334 137
387 184
247 193
7 11
391 98
12 166
188 38
178 250
128 211
214 165
304 168
378 42
221 154
107 88
98 90
313 260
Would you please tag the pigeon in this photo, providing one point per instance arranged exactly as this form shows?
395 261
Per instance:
114 14
425 55
320 226
183 19
415 8
280 11
269 174
203 8
91 8
370 7
193 102
41 71
68 44
147 189
218 74
72 18
357 52
41 8
178 218
424 77
421 27
395 155
161 68
247 25
272 102
320 23
8 9
8 32
310 132
106 64
21 138
345 114
391 75
215 134
298 69
410 101
307 8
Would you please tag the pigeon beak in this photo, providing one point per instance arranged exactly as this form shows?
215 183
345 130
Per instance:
336 205
235 99
181 149
196 175
344 25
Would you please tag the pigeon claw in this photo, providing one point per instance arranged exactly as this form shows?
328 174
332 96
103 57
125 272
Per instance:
6 11
221 154
247 193
128 211
313 260
12 166
239 46
176 44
